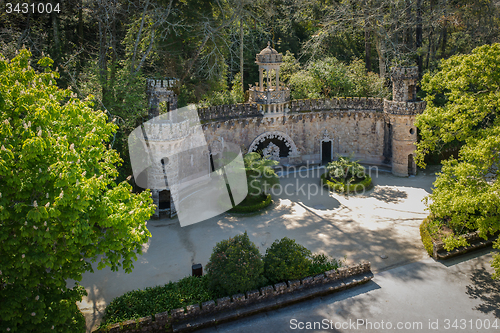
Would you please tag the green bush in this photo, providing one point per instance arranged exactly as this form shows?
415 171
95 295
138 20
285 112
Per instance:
149 301
426 237
337 186
286 260
235 266
320 263
258 205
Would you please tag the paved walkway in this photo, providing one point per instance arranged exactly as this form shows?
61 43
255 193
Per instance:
425 296
381 222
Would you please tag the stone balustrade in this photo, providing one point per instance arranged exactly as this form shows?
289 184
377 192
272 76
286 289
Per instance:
269 96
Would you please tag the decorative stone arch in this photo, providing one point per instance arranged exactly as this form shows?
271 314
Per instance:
275 135
326 137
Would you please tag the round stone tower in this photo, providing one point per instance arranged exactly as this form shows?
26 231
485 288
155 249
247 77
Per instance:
271 99
159 91
401 112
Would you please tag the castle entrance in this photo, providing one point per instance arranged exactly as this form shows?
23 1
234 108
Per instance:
326 151
274 144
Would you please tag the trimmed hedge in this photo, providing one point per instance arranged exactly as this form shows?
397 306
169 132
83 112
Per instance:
149 301
286 260
337 186
235 266
426 237
238 268
252 208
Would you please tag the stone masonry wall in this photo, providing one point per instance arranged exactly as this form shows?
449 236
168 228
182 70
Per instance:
358 132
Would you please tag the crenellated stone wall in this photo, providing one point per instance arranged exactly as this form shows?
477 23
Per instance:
357 132
340 104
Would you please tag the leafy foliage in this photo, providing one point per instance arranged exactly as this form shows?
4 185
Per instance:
465 196
252 204
426 237
332 78
225 96
60 206
149 301
235 266
293 262
286 260
321 263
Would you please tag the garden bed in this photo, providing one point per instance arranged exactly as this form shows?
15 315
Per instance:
224 309
252 204
436 247
340 187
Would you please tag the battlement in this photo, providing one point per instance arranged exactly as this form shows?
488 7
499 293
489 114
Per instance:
404 108
404 73
348 103
221 112
165 131
164 84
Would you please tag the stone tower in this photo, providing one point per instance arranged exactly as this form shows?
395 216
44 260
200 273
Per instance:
271 99
401 112
159 91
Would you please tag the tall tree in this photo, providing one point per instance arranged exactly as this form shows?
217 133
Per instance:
60 206
463 103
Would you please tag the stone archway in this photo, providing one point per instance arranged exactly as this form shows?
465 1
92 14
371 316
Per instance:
274 135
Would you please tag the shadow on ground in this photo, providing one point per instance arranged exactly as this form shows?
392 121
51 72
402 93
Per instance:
485 289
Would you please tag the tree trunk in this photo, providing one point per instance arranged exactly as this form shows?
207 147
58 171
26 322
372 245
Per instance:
103 66
368 45
407 40
381 56
241 55
56 37
80 23
418 39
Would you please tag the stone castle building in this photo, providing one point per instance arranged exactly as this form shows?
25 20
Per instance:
374 130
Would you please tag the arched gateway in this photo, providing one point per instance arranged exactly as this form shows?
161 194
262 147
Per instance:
268 141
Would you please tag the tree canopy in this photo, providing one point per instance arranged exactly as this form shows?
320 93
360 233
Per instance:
60 206
463 103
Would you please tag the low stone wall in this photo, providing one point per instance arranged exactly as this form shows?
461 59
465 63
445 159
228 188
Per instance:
348 103
473 238
258 300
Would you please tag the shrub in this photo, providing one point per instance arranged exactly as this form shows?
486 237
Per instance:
320 263
335 185
256 206
286 260
235 266
149 301
426 237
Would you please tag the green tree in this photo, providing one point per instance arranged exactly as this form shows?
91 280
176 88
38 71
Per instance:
463 101
330 77
60 206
